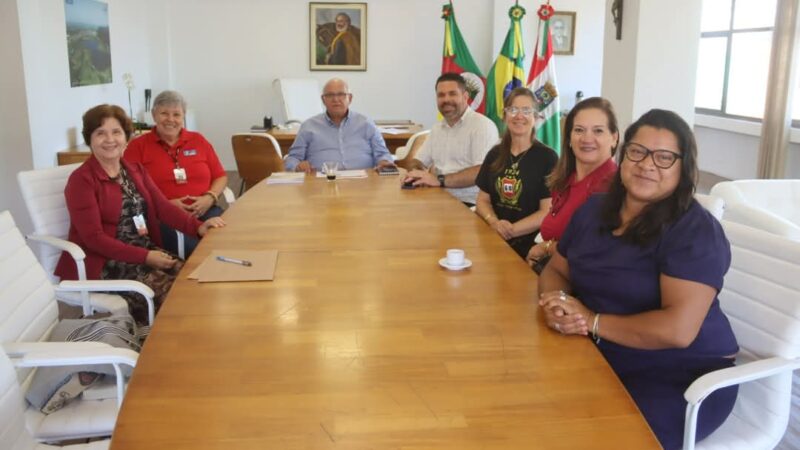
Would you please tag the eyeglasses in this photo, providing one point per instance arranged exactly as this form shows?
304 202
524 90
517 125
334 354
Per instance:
334 95
663 159
514 111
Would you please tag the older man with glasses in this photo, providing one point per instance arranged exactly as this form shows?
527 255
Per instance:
338 135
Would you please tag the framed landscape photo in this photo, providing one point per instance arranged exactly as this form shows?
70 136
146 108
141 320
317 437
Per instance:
338 36
562 28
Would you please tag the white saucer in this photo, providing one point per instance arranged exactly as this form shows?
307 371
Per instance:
443 263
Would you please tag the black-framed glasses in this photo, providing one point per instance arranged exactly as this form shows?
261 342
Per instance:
663 159
513 111
336 95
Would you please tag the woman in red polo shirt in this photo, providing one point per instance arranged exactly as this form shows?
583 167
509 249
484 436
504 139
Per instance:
182 163
586 166
115 210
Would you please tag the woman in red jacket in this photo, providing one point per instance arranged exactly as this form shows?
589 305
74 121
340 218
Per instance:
115 210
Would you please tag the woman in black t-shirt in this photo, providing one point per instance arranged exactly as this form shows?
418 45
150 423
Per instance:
514 197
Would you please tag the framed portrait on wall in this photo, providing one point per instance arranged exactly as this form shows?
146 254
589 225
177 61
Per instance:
562 28
338 36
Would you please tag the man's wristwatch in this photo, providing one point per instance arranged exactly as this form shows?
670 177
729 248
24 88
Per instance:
440 177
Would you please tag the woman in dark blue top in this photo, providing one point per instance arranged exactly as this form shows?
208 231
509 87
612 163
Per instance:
639 270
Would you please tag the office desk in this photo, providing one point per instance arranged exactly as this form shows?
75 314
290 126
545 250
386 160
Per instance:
286 137
363 341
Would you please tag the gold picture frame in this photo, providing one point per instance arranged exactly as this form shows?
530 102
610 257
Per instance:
562 28
337 36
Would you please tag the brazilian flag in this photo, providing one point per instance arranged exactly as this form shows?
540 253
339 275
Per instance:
507 71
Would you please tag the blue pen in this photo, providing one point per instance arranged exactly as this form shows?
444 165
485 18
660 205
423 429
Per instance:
241 262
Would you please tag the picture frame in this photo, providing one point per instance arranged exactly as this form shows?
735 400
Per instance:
562 29
337 36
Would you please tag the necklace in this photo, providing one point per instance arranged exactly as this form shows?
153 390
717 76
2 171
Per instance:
516 159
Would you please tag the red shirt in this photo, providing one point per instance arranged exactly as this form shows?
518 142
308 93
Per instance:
193 153
565 203
94 202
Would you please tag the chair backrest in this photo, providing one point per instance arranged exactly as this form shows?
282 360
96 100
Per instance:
760 297
300 97
770 205
13 433
257 156
43 193
28 308
412 147
712 203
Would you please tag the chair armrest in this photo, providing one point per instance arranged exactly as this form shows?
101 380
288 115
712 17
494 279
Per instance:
112 286
718 379
74 250
76 353
20 349
762 219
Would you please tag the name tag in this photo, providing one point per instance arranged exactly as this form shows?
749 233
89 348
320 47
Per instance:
180 175
189 152
141 225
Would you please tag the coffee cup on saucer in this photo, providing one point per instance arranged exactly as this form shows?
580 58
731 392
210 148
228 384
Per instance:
455 260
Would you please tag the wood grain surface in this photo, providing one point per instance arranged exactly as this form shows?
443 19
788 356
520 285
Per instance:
363 341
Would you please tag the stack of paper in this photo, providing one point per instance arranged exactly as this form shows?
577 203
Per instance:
286 178
237 265
352 173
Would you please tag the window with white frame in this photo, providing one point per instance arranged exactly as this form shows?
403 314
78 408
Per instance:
733 59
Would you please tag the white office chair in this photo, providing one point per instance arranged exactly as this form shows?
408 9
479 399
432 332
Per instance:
300 98
28 313
760 297
43 193
770 205
712 204
401 152
13 432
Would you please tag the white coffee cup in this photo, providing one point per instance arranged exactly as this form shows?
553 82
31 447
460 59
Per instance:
455 257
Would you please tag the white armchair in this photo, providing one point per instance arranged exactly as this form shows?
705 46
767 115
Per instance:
13 431
760 297
769 205
43 192
28 313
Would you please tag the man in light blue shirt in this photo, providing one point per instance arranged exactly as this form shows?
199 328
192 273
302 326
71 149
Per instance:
339 134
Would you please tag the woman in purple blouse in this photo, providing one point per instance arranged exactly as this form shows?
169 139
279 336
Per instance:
639 269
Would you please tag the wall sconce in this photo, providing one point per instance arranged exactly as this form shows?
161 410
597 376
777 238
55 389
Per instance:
616 13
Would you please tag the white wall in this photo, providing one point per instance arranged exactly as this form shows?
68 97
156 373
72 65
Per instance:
654 64
55 108
579 72
15 144
226 73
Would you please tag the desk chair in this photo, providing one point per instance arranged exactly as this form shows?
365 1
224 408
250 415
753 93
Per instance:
257 156
43 193
405 154
760 297
13 432
769 205
28 313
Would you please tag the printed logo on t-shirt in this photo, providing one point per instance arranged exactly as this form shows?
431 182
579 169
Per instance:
191 152
509 188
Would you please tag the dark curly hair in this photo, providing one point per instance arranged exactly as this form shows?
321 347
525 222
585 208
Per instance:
648 225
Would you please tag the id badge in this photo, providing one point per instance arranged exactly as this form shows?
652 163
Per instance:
180 175
141 225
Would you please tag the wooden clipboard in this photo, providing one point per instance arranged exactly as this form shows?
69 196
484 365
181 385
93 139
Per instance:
212 270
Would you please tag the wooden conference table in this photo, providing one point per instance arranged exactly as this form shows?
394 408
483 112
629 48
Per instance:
363 341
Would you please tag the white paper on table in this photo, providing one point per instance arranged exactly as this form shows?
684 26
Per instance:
392 130
351 173
286 178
